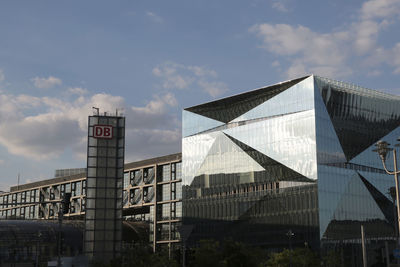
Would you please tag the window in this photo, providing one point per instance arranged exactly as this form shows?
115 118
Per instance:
73 209
78 189
127 180
73 189
166 173
135 177
14 198
52 195
148 175
68 188
62 191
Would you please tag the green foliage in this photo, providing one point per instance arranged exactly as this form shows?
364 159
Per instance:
239 255
207 254
143 256
211 253
231 254
299 257
332 259
140 255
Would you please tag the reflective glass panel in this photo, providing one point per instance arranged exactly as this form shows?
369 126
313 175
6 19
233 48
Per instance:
299 97
288 139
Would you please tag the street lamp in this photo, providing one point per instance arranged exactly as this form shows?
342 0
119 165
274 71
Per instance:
383 147
290 234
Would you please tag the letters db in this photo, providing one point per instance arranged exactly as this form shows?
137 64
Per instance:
103 131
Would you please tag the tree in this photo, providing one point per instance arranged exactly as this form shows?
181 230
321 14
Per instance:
237 254
140 255
210 253
332 259
207 254
299 257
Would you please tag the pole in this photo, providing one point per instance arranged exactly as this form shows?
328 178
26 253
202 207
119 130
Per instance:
290 234
37 248
364 252
387 254
184 255
60 217
397 193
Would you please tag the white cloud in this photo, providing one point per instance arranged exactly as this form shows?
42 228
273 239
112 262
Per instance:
77 91
201 72
40 137
46 83
41 128
279 5
395 59
153 16
178 76
275 63
366 33
172 79
305 48
214 89
334 53
297 69
376 9
154 113
2 77
145 143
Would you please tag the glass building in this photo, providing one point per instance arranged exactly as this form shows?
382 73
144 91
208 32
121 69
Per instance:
295 157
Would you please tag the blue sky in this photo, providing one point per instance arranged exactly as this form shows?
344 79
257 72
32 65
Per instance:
153 58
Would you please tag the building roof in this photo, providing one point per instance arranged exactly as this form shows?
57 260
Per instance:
131 165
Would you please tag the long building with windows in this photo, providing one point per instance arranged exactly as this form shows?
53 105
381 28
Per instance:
152 194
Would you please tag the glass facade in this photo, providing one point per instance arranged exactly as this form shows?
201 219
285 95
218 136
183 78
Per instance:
353 188
104 188
155 199
293 156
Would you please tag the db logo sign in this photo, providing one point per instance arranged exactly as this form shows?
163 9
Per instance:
103 131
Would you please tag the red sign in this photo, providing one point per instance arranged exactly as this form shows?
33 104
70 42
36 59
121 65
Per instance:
103 131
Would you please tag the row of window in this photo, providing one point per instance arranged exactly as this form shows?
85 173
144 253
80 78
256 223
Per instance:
77 205
168 231
43 194
166 172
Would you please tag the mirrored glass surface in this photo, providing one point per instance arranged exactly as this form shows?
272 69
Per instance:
347 200
329 149
332 183
194 151
360 116
193 123
299 97
229 108
372 159
225 156
288 139
382 182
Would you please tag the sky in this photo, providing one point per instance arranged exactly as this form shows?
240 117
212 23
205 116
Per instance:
151 59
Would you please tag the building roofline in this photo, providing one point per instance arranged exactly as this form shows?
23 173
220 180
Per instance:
249 91
130 165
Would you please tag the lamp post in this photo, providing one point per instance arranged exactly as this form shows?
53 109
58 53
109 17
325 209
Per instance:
383 147
290 234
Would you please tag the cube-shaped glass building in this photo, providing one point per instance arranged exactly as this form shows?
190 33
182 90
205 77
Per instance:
295 157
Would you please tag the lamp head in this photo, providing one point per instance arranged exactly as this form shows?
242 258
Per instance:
392 192
398 144
382 147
